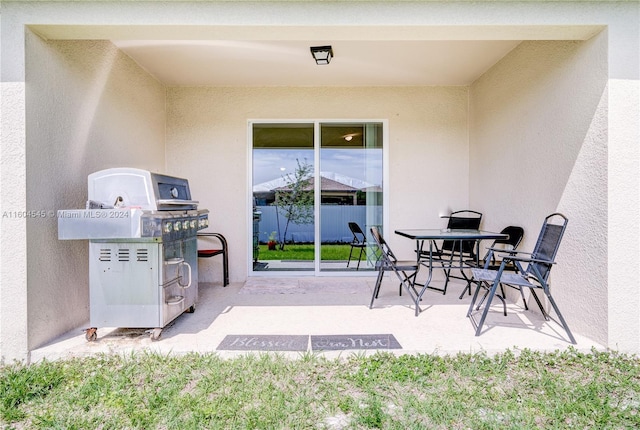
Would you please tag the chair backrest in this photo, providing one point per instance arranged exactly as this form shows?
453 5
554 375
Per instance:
358 234
462 220
510 244
547 245
387 256
515 237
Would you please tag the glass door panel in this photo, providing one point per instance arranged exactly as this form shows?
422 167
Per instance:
351 172
283 195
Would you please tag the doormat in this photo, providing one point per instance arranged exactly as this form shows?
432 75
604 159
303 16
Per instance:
354 341
339 342
235 342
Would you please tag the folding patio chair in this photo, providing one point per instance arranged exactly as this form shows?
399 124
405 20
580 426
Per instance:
359 242
510 244
452 253
406 271
535 276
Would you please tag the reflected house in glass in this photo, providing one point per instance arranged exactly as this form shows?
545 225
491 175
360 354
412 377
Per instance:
336 190
343 199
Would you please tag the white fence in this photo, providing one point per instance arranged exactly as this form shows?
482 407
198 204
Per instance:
334 227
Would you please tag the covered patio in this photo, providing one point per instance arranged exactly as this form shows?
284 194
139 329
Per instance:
544 119
282 308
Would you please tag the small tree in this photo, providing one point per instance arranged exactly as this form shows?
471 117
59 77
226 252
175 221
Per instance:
295 200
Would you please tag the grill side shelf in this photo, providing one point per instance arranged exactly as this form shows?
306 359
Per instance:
74 224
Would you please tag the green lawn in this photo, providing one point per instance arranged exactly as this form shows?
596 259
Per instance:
529 390
305 252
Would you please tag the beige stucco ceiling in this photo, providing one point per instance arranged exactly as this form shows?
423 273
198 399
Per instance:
280 55
289 63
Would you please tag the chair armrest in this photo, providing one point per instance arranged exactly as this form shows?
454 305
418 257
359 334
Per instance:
510 257
514 257
508 251
210 252
220 237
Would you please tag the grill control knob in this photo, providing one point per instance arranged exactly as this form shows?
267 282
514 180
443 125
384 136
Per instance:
185 225
167 227
193 223
177 226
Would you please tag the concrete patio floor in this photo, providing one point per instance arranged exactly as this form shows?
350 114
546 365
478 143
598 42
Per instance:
327 306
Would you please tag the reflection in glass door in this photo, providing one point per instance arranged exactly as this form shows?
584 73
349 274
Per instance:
350 194
283 195
312 182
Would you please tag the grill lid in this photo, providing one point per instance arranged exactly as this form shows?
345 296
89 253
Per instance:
127 203
129 187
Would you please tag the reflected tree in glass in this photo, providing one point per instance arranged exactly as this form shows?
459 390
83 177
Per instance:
295 200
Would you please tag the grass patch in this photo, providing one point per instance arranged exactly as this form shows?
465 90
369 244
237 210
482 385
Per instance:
529 390
305 252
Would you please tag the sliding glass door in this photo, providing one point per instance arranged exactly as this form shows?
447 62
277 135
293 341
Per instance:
312 182
283 195
350 194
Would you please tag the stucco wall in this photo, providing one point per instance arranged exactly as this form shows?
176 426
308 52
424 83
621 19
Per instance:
207 141
538 132
89 107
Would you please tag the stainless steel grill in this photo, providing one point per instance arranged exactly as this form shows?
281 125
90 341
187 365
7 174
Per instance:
143 264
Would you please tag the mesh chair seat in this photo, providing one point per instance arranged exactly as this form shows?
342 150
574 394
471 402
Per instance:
405 265
489 275
206 253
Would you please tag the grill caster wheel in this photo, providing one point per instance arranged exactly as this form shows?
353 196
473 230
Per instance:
91 334
191 309
155 333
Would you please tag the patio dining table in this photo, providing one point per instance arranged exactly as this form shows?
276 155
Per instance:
432 235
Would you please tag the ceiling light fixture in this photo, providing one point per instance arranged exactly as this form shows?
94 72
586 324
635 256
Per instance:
349 137
322 54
